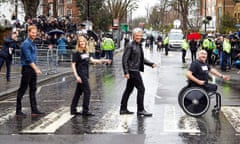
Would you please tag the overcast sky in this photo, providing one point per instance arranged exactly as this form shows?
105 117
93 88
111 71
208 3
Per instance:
142 4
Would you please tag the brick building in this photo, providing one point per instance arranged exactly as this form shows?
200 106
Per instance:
64 8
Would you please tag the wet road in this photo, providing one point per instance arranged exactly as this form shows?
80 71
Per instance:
168 125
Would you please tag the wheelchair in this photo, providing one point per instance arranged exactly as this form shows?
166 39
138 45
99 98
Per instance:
195 101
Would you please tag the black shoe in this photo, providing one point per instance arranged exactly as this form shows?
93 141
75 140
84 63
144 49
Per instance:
21 114
87 114
144 113
122 112
37 113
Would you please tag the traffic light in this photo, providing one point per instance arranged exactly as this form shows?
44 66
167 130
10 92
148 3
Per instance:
209 18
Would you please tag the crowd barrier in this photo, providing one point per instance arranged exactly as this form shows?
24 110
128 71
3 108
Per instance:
48 59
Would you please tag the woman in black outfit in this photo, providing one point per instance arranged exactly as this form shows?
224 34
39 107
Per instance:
80 67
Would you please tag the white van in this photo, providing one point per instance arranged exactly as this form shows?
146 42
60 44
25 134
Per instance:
175 39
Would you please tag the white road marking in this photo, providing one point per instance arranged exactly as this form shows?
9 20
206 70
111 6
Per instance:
7 115
51 122
113 122
54 101
232 113
174 121
50 84
158 97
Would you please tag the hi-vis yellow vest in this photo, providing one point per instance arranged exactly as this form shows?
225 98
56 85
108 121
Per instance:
212 45
185 44
166 41
206 43
226 46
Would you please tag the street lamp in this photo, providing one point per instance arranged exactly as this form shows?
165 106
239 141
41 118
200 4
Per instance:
205 14
88 10
16 9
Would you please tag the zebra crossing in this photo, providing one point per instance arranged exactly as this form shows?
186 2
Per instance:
174 121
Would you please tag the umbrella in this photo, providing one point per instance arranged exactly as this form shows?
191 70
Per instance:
92 34
195 36
56 31
233 35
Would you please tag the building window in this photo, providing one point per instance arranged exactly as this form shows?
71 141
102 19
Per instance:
61 1
69 12
69 2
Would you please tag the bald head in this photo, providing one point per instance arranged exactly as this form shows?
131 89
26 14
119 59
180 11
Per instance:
202 55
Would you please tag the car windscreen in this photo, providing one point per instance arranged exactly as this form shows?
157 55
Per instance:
175 36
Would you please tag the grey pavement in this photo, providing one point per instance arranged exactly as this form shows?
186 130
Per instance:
7 88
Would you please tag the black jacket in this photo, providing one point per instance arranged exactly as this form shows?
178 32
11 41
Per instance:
8 43
133 58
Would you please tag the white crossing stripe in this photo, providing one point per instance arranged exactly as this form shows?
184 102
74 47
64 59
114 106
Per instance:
7 115
113 122
51 122
232 113
176 121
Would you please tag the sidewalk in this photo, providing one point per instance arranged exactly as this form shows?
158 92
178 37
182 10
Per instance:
7 88
12 86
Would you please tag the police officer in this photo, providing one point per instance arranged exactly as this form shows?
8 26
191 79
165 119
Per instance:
166 42
226 55
185 47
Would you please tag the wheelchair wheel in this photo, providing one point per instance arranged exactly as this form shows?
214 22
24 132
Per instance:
180 95
194 101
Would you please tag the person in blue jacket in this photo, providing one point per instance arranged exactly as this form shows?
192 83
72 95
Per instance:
29 73
9 45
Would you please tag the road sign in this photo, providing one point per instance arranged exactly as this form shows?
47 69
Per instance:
124 27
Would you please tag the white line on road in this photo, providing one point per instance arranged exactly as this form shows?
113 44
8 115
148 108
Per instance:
113 122
46 85
232 113
174 122
51 122
7 115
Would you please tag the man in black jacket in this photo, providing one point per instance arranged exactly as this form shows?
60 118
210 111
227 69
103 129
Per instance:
9 45
133 62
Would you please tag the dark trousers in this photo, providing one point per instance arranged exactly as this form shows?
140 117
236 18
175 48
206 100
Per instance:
109 54
209 56
208 87
225 61
135 80
29 78
193 55
85 89
183 56
166 49
8 66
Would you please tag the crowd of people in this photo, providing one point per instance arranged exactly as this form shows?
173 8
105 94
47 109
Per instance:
222 50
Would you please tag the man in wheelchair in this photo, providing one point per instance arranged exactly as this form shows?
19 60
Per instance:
197 74
194 99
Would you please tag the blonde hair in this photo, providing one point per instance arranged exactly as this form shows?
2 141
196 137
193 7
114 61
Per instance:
81 49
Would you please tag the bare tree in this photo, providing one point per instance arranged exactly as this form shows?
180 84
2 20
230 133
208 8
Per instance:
182 6
119 8
30 8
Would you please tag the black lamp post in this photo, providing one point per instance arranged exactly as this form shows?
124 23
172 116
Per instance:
205 14
16 9
88 10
